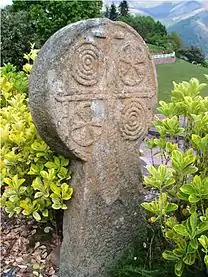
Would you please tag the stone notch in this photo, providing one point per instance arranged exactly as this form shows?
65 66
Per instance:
92 97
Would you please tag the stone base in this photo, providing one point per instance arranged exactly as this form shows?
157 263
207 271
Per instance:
97 233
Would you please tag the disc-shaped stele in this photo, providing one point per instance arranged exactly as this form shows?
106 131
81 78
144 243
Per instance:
92 80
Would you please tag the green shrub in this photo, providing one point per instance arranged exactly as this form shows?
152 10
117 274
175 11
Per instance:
181 207
34 179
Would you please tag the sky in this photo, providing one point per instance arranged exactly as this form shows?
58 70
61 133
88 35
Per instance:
5 2
152 2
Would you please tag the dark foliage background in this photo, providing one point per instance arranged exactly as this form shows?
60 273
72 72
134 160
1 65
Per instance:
31 21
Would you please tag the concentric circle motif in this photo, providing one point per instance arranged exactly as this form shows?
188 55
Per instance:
134 121
86 64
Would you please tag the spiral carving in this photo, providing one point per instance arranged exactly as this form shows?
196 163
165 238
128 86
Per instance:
134 120
86 64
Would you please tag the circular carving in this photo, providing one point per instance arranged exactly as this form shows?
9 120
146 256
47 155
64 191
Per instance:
132 65
85 128
134 120
86 64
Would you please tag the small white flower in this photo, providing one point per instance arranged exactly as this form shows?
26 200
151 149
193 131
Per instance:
144 245
135 258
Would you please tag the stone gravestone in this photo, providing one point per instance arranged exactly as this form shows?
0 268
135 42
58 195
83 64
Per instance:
92 96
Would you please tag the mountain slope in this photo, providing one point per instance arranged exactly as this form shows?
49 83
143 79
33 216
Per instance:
160 11
184 8
193 30
187 18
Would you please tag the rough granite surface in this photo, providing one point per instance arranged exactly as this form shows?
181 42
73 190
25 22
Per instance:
92 97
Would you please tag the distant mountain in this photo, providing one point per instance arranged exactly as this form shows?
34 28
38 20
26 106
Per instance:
160 11
184 8
193 30
190 21
187 18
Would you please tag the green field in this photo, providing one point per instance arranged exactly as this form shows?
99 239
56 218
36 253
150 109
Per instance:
179 71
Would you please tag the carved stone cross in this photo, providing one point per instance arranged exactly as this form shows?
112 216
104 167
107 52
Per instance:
92 97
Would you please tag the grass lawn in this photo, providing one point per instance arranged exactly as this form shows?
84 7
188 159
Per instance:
179 71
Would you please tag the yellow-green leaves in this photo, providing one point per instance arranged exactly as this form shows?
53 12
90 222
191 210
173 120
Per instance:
36 216
179 267
201 142
27 68
161 207
169 255
32 55
185 237
30 59
181 205
183 89
14 182
190 228
181 230
59 164
15 189
175 256
204 242
197 190
183 163
31 172
160 177
169 126
64 192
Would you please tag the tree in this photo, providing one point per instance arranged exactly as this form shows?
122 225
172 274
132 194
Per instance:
107 12
41 20
113 12
17 32
123 8
176 41
192 54
50 16
151 31
160 29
